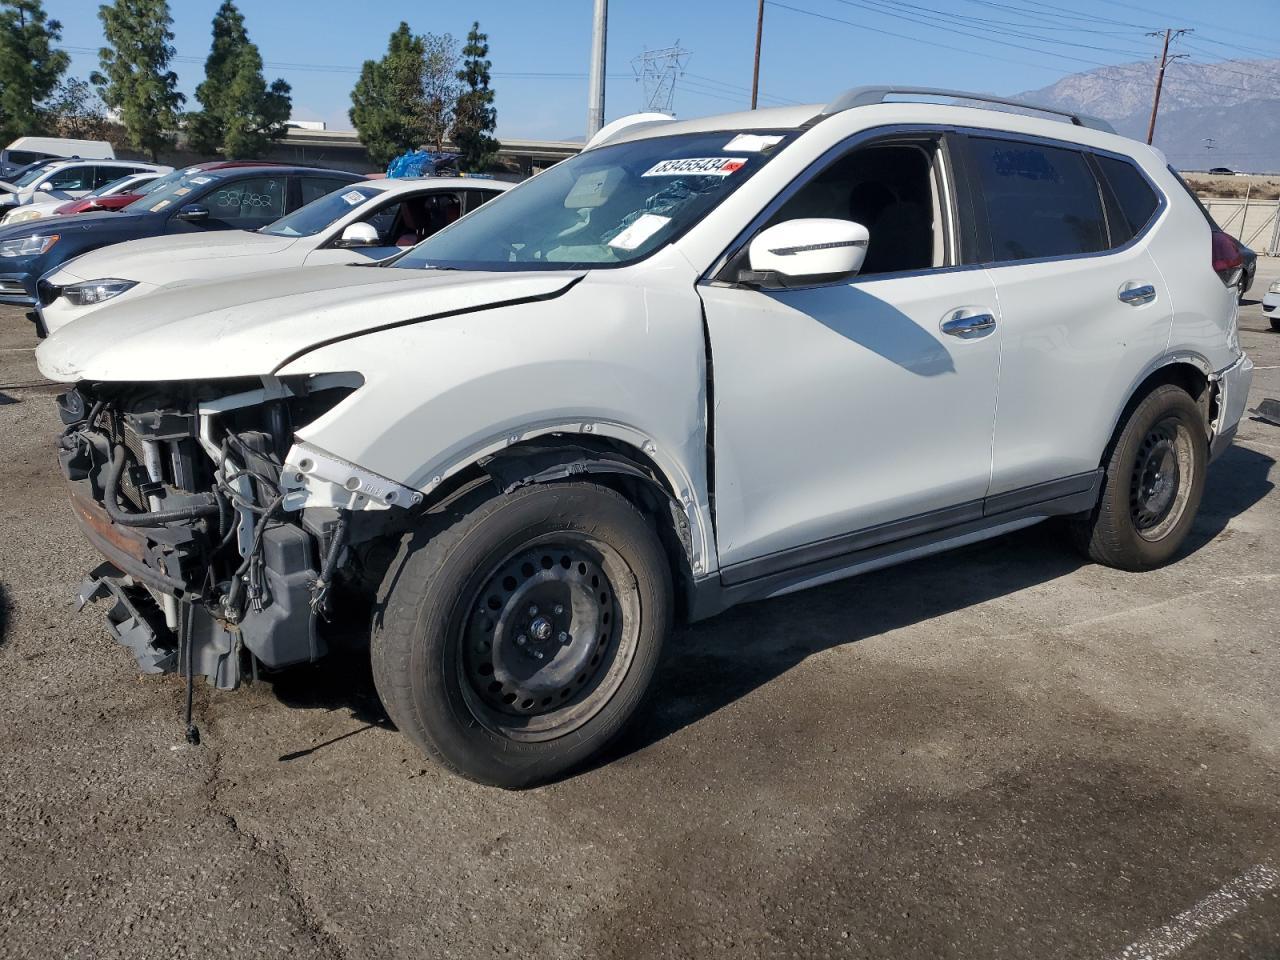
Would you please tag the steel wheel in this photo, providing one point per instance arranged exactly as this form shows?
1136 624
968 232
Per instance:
1158 488
548 637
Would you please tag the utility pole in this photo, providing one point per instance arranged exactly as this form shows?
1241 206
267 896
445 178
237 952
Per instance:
755 72
1169 34
595 85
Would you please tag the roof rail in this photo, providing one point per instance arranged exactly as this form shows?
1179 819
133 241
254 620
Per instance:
864 96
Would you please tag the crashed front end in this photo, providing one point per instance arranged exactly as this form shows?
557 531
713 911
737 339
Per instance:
223 535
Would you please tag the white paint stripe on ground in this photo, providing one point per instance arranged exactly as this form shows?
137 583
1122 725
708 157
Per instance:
1213 911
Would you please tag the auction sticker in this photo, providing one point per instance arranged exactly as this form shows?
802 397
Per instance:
696 166
354 197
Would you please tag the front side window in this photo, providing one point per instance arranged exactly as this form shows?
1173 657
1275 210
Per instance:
246 204
603 208
32 176
1041 201
891 190
319 213
72 178
21 158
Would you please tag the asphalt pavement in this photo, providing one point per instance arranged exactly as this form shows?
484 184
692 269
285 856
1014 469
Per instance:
1000 752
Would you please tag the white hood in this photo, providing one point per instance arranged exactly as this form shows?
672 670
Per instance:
250 327
151 259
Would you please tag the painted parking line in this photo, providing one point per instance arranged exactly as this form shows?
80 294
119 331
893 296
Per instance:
1211 912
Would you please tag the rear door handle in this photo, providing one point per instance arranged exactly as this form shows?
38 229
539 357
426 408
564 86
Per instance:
962 326
1136 294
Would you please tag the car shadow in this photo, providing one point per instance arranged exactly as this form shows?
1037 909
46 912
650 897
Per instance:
711 664
4 615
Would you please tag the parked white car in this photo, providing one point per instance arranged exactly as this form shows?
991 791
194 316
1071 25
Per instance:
363 222
703 362
1271 304
128 183
64 180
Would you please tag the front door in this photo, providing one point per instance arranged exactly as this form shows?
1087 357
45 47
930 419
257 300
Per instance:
843 407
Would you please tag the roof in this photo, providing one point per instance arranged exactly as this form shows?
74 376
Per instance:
412 184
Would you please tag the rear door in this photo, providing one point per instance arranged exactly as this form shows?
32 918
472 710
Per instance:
1083 308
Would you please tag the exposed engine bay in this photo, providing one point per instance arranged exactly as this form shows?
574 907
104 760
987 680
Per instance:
225 536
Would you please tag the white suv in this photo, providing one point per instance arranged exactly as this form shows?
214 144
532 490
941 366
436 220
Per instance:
703 362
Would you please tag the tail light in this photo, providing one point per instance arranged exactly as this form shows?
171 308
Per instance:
1228 261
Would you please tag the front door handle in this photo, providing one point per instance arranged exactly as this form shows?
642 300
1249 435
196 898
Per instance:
962 326
1136 294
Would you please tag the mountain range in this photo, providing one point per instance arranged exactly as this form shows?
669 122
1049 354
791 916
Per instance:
1211 114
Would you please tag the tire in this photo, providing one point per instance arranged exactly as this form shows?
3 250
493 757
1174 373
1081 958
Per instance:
517 634
1275 323
1152 487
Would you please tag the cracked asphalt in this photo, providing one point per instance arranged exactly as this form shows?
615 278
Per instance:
1001 752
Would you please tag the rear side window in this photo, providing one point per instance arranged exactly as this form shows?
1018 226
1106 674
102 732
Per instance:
1041 201
313 188
1134 195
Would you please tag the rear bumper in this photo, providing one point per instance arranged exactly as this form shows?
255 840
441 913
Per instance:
1233 394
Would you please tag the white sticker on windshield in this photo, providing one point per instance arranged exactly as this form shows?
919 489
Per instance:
354 197
696 166
640 230
202 180
752 142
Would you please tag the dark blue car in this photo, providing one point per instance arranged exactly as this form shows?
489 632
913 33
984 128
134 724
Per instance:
232 198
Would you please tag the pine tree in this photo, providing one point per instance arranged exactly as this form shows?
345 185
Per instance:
135 79
475 117
241 115
387 105
30 67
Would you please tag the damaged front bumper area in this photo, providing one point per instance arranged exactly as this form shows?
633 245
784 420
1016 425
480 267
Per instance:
216 563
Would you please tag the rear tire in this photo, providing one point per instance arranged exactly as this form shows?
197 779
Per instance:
518 634
1153 485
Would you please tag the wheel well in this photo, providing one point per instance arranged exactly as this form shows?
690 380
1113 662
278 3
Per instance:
1185 376
623 468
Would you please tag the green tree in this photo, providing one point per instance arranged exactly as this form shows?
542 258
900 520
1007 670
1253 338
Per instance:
74 110
440 86
241 115
30 67
387 104
135 79
475 118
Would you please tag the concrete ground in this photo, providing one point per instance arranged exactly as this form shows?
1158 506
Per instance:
1002 752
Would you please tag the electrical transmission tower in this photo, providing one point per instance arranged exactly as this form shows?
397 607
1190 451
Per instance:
658 71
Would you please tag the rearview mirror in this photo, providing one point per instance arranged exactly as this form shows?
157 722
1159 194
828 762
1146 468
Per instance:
192 212
358 235
813 250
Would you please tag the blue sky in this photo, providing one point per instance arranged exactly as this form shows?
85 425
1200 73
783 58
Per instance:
812 48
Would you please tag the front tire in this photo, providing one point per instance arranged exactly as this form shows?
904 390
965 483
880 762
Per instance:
1153 485
519 634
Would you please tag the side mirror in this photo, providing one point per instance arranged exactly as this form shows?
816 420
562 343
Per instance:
812 250
192 213
358 235
46 186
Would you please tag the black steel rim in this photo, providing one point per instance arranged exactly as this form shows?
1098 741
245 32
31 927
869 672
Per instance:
548 638
1158 487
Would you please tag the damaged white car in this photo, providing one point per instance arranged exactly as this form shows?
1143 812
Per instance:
703 362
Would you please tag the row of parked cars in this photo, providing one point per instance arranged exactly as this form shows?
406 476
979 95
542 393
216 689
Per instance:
522 433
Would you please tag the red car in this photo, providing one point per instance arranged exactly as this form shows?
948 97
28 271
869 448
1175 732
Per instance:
118 201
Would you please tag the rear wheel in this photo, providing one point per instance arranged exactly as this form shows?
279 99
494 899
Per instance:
517 637
1153 485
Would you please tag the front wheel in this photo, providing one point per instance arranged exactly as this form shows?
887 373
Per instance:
517 636
1153 485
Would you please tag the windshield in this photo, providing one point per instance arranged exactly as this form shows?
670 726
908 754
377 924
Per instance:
31 176
603 208
319 213
170 190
